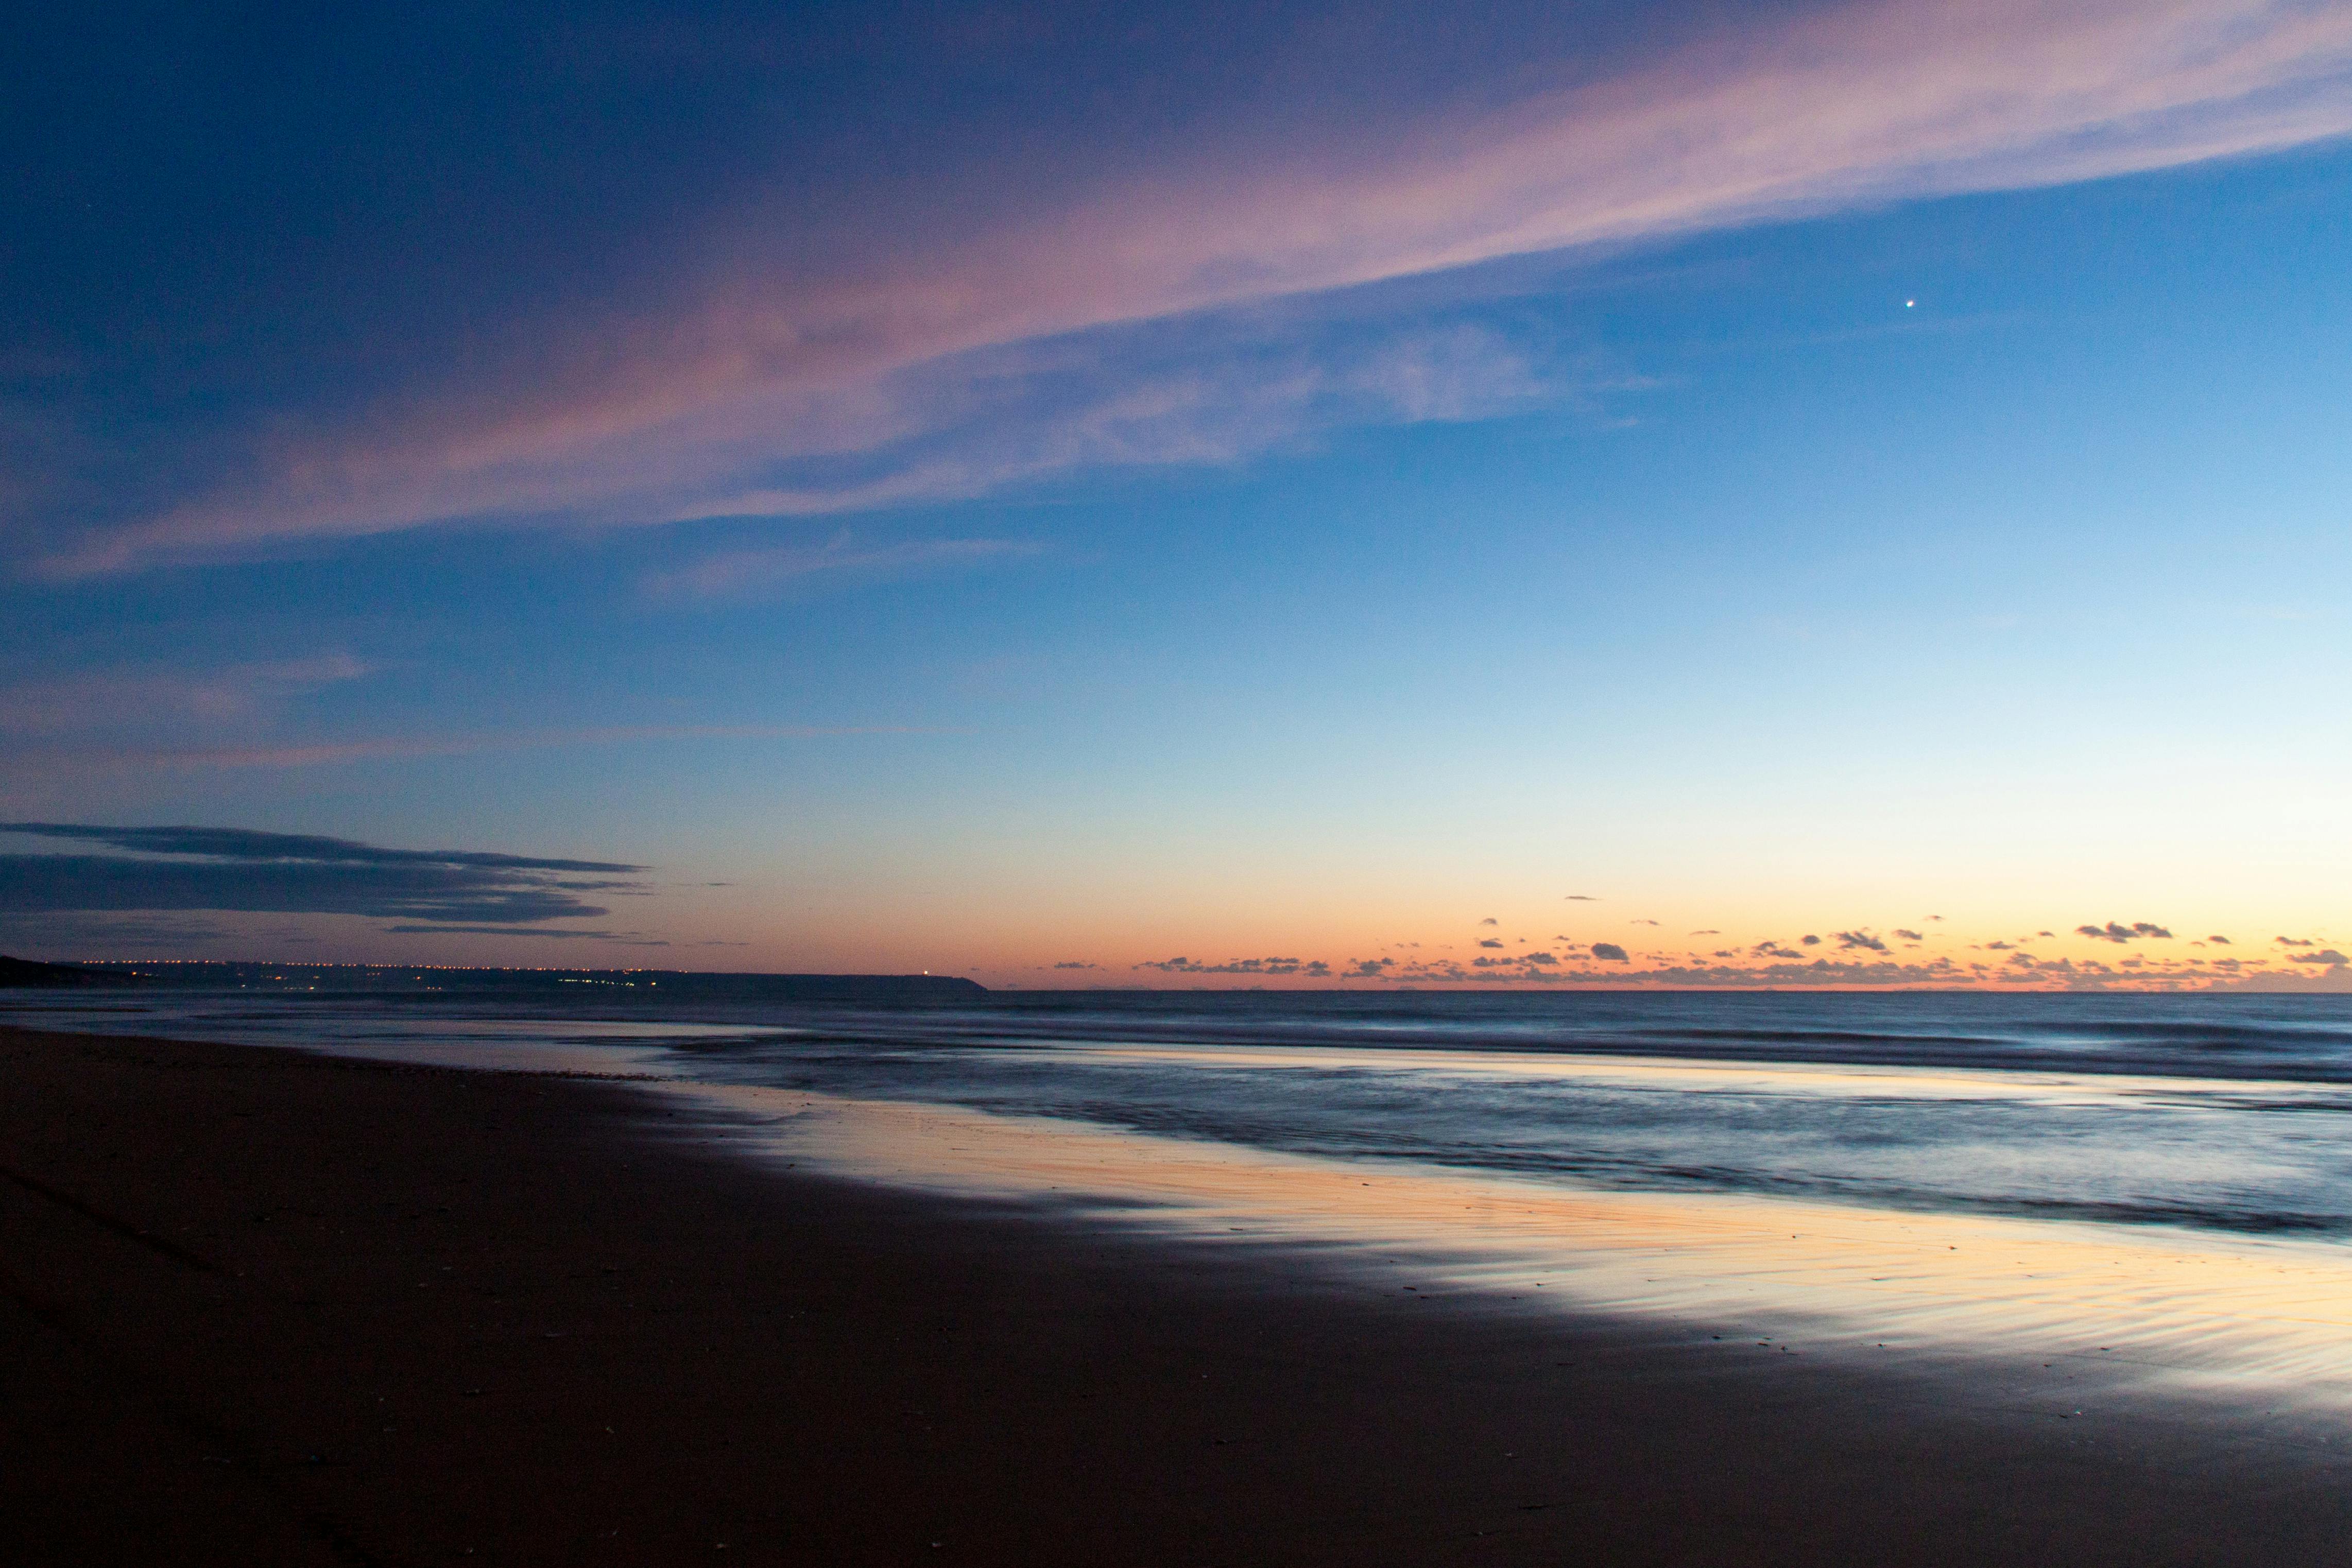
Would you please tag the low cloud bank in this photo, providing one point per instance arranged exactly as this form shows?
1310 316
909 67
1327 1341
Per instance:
154 870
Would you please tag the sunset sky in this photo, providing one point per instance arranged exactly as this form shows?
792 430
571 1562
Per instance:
1529 493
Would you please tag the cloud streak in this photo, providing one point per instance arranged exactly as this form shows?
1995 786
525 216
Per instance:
394 748
746 572
120 700
156 870
625 938
780 344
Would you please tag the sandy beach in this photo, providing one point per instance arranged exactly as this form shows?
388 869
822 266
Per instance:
267 1307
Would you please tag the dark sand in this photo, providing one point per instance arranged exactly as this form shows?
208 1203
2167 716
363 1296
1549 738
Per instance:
259 1307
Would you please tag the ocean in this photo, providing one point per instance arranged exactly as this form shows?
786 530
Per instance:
2171 1170
2231 1113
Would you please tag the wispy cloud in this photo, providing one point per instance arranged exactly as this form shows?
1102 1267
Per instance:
382 748
746 572
681 406
63 930
1189 393
110 701
253 844
624 938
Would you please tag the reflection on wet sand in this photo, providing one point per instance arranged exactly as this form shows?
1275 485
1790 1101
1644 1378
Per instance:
2267 1316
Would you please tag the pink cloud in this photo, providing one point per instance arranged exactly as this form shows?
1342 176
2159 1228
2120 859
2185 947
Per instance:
381 748
673 410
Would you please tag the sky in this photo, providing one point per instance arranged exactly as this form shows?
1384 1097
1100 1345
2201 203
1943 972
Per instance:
1522 494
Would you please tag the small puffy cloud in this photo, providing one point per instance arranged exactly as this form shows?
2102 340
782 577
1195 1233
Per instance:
1724 953
1908 936
1711 931
1072 963
1365 969
1488 942
1490 920
1645 923
1611 952
1582 898
1998 947
1537 958
1769 949
2294 942
2327 956
1862 939
2116 931
1811 941
2221 941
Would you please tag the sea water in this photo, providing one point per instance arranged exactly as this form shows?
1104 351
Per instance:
2166 1175
2224 1111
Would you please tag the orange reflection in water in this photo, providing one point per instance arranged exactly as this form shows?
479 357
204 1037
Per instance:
2183 1306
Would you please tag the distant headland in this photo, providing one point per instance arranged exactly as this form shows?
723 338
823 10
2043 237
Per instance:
420 978
27 972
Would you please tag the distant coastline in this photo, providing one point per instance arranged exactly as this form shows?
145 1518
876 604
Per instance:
30 972
684 984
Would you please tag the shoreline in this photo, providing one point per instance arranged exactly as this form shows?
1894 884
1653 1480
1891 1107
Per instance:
278 1307
2130 1313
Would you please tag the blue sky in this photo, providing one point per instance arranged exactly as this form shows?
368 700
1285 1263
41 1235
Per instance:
1000 491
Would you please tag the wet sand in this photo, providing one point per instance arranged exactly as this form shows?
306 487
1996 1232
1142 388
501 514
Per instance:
264 1307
